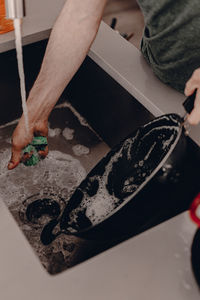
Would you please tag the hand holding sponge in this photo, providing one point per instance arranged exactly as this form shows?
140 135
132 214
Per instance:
38 143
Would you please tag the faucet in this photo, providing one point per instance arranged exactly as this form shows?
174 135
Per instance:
15 9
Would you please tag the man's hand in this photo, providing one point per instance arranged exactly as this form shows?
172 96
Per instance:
21 139
69 43
192 85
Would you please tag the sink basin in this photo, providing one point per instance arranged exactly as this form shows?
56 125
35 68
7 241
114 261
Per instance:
93 114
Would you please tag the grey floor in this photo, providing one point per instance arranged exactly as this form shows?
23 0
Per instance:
129 18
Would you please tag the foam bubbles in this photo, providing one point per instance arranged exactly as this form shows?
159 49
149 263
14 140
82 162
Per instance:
102 203
80 150
128 168
54 132
68 133
58 171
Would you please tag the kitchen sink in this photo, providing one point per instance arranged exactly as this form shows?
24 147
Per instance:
93 114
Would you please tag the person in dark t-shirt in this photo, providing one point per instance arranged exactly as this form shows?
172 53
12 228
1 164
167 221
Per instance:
170 45
171 38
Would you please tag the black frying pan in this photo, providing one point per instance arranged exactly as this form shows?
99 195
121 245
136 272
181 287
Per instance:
99 206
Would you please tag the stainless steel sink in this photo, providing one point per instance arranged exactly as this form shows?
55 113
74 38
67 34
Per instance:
93 114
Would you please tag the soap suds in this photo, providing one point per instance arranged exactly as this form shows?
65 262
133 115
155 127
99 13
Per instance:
80 150
54 132
68 133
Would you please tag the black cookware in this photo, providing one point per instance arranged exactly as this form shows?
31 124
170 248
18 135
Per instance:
122 182
99 206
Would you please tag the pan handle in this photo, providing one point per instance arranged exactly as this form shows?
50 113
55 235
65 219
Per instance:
189 102
193 210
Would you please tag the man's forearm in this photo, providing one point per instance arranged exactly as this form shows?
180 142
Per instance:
70 40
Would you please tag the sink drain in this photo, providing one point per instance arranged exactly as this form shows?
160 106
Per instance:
42 212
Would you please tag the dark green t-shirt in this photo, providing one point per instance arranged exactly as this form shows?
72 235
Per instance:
171 40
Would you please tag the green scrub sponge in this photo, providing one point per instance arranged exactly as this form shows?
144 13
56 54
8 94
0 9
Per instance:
38 143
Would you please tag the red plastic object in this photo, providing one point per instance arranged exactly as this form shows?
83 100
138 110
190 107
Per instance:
193 210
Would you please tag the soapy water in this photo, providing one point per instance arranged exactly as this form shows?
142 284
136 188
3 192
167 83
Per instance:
117 178
37 195
58 169
57 172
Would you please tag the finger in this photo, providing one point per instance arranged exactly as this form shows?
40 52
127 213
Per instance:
43 153
15 159
194 116
193 83
190 87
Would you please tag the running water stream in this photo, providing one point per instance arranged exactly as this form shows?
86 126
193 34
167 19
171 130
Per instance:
18 43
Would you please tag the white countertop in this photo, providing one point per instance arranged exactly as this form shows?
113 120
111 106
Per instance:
133 269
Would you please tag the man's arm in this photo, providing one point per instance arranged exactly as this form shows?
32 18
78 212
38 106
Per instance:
69 43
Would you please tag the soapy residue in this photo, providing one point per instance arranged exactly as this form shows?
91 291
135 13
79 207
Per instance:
68 134
80 150
102 202
54 132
